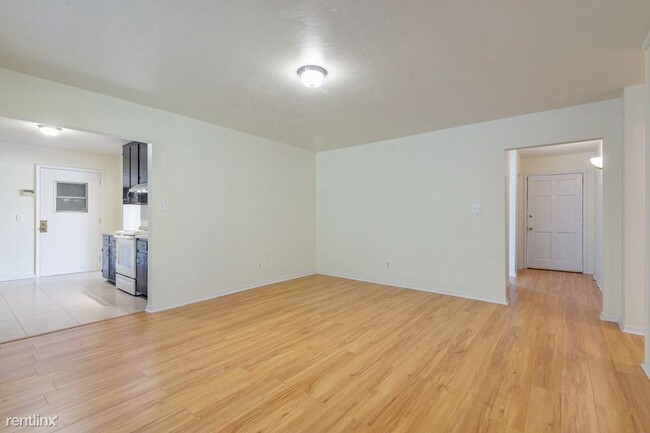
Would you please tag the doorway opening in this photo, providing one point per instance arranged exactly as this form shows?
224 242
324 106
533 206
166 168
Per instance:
554 208
63 198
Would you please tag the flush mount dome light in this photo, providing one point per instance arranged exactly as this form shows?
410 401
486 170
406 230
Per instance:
597 161
312 75
51 131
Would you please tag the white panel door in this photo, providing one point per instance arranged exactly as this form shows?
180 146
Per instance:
69 204
555 222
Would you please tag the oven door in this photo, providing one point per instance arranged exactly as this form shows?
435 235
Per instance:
125 260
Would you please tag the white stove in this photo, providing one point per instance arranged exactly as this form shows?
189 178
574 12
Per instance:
126 259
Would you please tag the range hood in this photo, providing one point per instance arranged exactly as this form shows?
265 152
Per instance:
141 188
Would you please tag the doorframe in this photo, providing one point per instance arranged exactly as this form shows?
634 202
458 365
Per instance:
37 206
585 220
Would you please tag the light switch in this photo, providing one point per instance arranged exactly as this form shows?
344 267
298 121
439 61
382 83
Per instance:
162 206
20 218
477 208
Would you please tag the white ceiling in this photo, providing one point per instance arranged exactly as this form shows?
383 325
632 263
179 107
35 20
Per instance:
562 149
22 132
395 67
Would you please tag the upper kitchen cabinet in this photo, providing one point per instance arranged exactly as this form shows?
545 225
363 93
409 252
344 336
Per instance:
143 172
134 172
126 172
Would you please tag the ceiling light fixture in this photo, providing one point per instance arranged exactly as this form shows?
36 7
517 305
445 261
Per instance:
51 131
312 75
597 161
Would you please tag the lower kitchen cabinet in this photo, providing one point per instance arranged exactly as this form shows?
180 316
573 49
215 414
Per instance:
109 252
106 256
112 261
142 267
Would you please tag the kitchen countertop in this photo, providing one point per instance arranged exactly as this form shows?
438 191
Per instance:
143 236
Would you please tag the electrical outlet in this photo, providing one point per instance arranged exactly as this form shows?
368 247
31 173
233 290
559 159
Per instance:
477 208
387 265
162 206
259 265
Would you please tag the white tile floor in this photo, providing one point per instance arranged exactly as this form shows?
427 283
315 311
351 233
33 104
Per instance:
35 306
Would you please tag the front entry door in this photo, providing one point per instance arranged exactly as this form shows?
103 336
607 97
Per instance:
69 222
555 222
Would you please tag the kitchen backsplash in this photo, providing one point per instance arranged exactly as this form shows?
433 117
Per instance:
134 216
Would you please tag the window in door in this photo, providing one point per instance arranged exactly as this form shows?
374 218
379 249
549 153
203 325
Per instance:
71 197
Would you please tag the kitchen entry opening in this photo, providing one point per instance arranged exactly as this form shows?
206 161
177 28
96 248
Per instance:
69 197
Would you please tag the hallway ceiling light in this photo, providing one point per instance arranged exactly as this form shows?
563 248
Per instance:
597 161
312 75
51 131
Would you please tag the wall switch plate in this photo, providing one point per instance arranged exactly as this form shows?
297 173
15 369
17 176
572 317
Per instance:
20 218
477 208
162 206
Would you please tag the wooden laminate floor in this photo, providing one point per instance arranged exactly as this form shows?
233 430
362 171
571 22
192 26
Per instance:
323 354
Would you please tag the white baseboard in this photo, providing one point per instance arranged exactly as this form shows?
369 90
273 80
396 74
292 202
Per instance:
636 330
598 285
646 368
221 293
613 319
627 329
17 277
465 295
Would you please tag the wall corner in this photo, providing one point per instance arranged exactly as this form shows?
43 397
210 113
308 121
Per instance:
646 368
646 47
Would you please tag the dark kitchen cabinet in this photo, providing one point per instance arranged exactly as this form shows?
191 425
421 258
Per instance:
135 170
142 267
134 154
112 261
106 257
109 254
143 166
126 173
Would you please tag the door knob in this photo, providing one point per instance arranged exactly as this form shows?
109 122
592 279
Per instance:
530 229
530 216
42 226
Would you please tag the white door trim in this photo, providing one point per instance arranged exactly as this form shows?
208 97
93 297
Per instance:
585 220
37 206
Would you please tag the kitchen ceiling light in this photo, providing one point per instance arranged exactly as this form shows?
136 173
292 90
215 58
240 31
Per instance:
312 75
597 161
51 131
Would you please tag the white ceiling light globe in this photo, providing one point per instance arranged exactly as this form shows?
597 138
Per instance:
597 161
311 75
51 131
